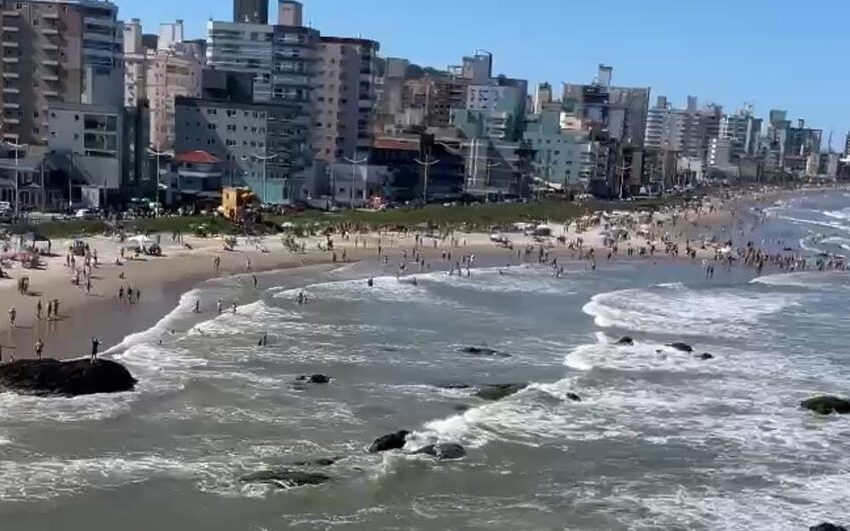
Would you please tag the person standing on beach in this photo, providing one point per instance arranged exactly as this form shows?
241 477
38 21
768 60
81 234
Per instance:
248 265
254 278
56 308
95 346
219 306
88 284
197 306
39 348
234 306
38 309
121 294
13 315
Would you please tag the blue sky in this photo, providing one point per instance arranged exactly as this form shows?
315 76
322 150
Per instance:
787 54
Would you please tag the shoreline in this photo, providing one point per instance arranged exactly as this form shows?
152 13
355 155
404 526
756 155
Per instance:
163 280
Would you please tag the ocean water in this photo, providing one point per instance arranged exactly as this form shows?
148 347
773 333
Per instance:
660 439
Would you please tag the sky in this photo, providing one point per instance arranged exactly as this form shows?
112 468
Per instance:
775 54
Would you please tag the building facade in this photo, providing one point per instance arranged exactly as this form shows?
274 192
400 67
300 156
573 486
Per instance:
345 98
52 51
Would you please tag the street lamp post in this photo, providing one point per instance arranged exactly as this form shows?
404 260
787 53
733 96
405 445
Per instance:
354 161
426 164
158 154
16 147
264 159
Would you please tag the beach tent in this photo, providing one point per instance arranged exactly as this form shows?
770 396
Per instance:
142 240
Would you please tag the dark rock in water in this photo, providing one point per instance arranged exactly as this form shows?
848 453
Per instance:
452 387
314 379
286 478
705 356
827 405
484 351
827 527
684 347
625 341
574 397
444 451
65 378
461 408
392 441
323 461
499 391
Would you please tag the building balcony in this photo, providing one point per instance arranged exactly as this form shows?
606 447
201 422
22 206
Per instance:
10 120
49 31
50 77
50 93
50 46
50 15
50 62
11 90
11 105
10 13
11 29
10 75
10 44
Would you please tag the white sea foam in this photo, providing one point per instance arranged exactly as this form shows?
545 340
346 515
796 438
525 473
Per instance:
681 311
807 279
385 289
160 329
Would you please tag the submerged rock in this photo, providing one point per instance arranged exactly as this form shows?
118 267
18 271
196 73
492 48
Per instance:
391 441
705 356
65 378
574 397
499 391
452 387
286 478
827 527
315 379
322 461
625 341
683 347
827 405
484 351
443 451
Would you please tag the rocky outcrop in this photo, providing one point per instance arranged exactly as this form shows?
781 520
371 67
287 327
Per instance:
574 397
682 347
625 342
65 378
314 379
322 461
827 527
391 441
827 405
499 391
443 451
484 352
285 478
705 356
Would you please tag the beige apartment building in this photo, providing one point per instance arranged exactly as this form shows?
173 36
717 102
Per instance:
56 52
345 97
160 75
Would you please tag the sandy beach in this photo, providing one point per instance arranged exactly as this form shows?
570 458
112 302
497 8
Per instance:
162 280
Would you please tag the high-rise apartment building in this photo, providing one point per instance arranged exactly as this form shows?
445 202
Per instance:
282 62
290 13
56 51
687 132
345 98
160 75
251 11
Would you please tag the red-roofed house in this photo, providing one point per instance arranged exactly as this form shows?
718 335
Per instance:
195 178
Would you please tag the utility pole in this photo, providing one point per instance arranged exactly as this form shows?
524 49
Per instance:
354 161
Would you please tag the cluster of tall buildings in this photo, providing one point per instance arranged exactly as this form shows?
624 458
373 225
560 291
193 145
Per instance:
96 110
